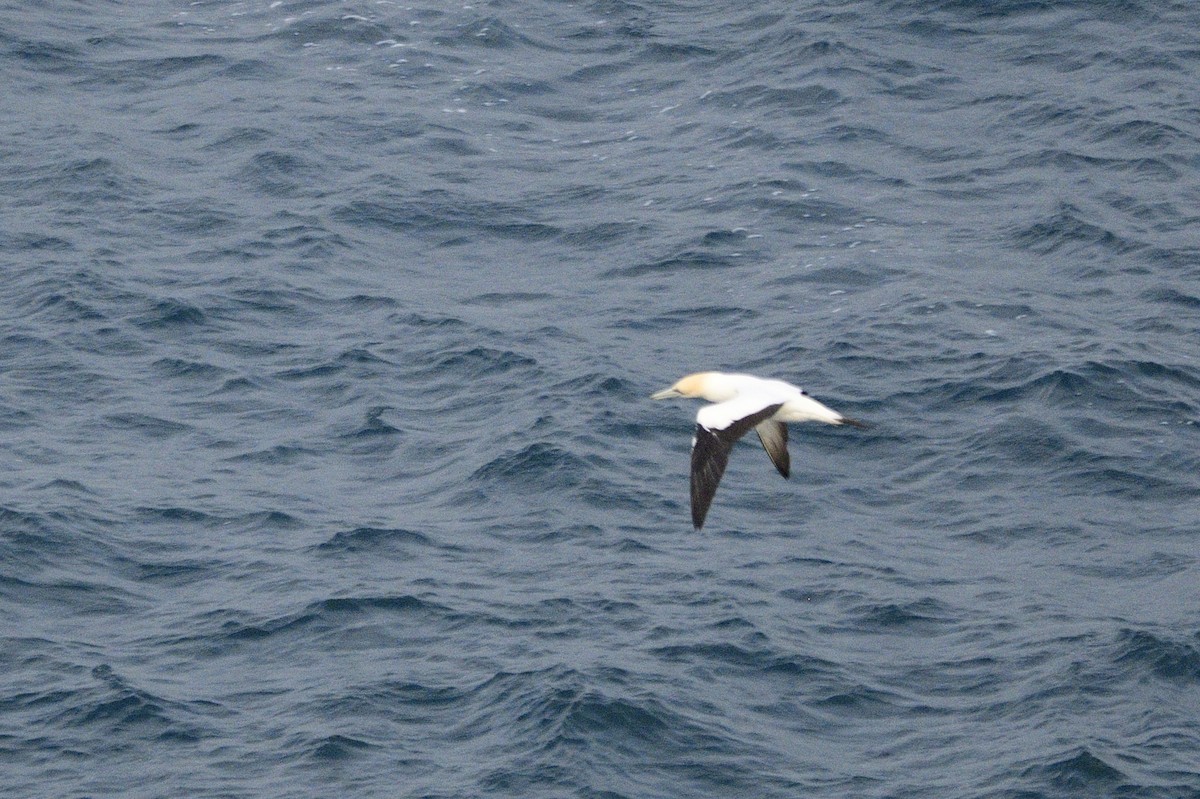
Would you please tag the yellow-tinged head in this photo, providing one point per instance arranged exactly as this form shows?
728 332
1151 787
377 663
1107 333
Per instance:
698 385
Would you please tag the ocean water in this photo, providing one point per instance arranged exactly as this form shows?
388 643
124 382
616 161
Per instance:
328 465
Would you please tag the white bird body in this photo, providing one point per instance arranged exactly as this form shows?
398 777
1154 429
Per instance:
742 402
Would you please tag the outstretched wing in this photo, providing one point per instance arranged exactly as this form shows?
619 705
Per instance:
773 436
718 427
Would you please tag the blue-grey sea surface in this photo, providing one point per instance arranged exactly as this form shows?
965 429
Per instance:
327 461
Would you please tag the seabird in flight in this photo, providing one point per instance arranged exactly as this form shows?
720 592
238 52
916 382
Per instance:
742 402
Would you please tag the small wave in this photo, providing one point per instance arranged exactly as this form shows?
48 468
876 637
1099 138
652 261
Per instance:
118 709
540 464
534 719
176 515
661 52
1173 296
595 385
170 314
373 426
506 299
191 369
714 315
278 455
858 702
1143 133
178 573
924 615
58 307
726 655
478 362
1068 229
376 618
683 262
1016 381
146 424
1082 773
1166 658
121 705
489 33
79 597
373 539
838 277
281 174
718 237
598 235
438 215
330 27
64 485
362 303
333 748
800 100
430 323
403 603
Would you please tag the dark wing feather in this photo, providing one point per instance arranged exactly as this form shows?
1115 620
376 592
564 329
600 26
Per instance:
773 436
710 455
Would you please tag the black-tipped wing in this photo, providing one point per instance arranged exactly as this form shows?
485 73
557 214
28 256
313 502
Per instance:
710 455
717 429
773 436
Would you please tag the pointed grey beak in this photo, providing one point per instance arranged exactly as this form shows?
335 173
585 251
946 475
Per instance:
666 393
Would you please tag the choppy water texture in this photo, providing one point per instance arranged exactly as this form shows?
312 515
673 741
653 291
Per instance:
329 467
